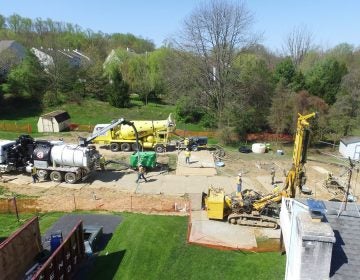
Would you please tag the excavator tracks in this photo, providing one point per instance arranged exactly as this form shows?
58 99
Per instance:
253 220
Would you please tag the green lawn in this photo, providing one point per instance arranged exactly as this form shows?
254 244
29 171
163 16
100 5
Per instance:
89 112
9 223
154 247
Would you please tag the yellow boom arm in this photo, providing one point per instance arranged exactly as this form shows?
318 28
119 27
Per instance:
296 175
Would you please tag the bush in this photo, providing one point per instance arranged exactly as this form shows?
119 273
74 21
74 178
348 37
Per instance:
225 135
209 121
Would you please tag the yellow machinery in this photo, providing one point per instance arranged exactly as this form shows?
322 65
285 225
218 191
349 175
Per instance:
296 176
152 135
252 208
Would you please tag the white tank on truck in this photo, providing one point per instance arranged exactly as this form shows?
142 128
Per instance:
71 155
64 161
151 134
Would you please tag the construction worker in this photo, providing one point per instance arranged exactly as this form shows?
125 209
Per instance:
141 173
272 176
102 163
34 174
187 156
186 142
238 182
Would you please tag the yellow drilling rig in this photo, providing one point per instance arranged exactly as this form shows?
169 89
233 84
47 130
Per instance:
254 209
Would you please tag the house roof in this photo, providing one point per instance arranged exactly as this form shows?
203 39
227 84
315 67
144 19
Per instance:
11 44
17 53
350 140
345 260
58 115
74 57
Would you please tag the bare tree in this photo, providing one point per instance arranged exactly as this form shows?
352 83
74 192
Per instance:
211 37
297 44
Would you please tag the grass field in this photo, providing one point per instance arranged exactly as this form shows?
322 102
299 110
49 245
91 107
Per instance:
155 247
9 223
89 112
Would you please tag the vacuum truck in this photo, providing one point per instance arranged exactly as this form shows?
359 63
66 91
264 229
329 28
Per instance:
64 161
52 159
121 137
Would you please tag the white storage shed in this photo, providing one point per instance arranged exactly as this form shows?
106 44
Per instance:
55 121
350 147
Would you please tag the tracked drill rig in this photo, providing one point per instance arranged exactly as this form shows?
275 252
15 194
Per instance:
254 209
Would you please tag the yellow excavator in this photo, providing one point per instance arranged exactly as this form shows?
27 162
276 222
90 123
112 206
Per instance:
254 209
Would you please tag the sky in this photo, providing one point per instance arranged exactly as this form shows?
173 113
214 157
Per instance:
330 21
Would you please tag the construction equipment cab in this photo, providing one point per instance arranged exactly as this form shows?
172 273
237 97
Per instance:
121 137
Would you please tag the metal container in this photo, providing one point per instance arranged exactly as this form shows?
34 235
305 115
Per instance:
72 155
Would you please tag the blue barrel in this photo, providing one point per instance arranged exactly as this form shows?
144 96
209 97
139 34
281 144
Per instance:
55 241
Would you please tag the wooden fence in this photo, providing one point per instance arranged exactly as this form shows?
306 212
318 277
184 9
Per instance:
14 127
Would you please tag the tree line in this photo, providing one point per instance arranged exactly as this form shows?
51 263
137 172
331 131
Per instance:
215 71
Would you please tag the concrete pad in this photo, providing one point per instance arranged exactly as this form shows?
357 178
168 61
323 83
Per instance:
201 164
218 233
196 201
267 232
194 171
173 185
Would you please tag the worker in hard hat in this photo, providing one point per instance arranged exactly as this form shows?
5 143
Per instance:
187 156
186 142
238 183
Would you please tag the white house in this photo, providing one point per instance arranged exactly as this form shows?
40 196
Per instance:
55 121
350 147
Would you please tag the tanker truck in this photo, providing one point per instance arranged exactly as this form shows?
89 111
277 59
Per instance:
121 137
67 162
52 159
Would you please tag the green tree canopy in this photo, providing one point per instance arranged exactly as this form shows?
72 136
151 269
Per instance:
324 79
27 79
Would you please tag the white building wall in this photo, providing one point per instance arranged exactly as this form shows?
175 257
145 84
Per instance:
351 150
308 244
47 125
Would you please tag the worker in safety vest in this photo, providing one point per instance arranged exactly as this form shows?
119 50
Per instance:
34 174
186 142
187 156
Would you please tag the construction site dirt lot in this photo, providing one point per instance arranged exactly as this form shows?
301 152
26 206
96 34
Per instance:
115 189
177 188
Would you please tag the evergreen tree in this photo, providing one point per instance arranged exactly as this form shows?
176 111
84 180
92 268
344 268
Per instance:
118 91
